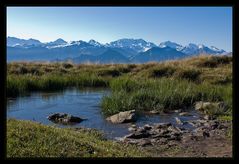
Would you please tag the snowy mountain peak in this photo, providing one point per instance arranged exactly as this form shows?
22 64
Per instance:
77 42
60 41
138 45
192 45
13 41
57 43
192 49
94 43
201 46
170 44
217 49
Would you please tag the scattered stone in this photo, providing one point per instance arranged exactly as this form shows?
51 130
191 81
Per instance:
206 134
162 125
178 111
192 123
123 117
184 114
141 130
168 134
178 121
174 129
154 112
132 129
64 118
137 135
147 127
209 117
214 125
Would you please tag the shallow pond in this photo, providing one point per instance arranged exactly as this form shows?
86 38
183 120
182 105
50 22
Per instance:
83 103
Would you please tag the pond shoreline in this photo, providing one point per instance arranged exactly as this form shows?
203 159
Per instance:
175 140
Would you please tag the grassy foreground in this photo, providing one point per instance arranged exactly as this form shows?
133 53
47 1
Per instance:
29 139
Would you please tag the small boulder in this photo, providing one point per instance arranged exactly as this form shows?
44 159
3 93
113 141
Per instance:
154 112
123 117
184 114
178 111
178 121
64 118
147 127
132 129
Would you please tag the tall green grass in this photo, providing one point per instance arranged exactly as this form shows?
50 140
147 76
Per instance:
159 94
20 84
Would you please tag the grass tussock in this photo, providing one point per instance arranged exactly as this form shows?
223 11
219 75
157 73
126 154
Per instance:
29 139
215 61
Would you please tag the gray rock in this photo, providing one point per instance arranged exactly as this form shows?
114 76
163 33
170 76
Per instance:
64 118
137 135
184 114
179 121
147 127
162 125
174 129
154 112
132 129
123 117
178 111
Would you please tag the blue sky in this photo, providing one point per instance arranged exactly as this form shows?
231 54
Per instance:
211 26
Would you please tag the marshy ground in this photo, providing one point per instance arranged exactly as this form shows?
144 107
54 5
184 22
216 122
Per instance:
161 87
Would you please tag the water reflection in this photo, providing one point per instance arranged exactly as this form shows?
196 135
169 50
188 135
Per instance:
84 103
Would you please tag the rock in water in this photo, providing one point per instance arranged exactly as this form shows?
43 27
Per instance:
123 117
154 112
179 121
64 118
184 114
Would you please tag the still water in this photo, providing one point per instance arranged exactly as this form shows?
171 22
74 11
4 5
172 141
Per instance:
82 103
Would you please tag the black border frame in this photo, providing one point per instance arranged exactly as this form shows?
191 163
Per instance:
120 3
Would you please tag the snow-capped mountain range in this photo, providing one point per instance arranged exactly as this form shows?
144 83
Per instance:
119 51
